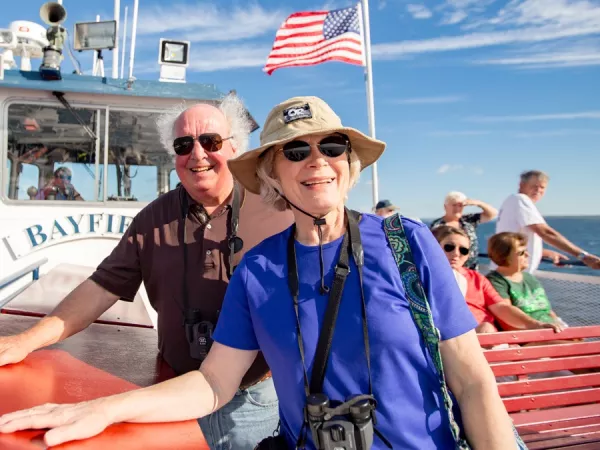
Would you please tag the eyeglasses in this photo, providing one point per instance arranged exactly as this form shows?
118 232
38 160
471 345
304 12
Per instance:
330 146
210 142
450 248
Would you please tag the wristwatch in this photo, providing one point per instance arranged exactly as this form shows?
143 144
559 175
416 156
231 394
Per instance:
582 255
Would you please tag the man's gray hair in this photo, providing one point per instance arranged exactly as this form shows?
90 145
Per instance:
232 108
534 174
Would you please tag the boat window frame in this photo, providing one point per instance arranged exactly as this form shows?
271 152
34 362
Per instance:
107 109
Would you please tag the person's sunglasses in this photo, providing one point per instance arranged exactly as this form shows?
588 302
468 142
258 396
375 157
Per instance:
330 146
65 177
210 142
450 248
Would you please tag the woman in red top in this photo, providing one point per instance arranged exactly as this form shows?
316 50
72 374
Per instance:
483 300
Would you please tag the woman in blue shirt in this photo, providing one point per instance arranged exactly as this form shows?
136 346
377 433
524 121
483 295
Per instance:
308 161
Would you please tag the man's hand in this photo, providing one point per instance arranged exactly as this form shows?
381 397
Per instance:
555 257
471 202
13 349
592 261
66 422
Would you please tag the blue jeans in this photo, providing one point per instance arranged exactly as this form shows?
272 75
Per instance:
251 416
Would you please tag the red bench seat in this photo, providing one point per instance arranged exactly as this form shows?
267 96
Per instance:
552 407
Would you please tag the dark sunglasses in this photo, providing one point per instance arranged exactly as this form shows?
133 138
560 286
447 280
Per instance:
65 177
210 142
330 146
450 248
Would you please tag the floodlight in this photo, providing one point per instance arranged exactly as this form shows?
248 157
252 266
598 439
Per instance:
8 39
95 35
174 52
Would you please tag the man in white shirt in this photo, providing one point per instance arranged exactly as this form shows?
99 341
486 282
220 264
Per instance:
518 214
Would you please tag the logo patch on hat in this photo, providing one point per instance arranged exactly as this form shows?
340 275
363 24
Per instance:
296 113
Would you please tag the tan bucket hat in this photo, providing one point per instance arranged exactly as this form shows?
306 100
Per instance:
294 118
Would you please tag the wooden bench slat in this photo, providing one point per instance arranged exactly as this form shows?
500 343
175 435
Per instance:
554 417
560 425
548 384
525 402
526 336
565 442
545 365
543 351
546 435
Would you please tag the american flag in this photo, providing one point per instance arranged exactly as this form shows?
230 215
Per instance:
313 37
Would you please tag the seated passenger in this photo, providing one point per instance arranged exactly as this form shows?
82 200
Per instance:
484 302
60 187
509 251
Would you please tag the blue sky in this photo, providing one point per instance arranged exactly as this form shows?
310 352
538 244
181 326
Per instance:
468 93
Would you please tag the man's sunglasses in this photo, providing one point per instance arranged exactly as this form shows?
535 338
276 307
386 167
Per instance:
65 177
210 142
330 146
450 248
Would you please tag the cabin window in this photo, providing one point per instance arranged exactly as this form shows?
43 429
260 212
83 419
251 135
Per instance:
55 154
138 165
52 152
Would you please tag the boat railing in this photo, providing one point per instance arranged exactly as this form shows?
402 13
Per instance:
33 269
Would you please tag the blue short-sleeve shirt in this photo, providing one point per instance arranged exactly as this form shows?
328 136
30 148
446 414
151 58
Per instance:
258 313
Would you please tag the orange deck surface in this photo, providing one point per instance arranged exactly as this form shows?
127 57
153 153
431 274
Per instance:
57 376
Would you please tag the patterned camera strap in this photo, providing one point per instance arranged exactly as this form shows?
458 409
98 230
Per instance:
419 308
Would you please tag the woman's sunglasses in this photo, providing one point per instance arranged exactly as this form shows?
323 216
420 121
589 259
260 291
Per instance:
210 142
450 248
330 146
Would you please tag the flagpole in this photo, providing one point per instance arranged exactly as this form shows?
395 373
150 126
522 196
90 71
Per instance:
369 83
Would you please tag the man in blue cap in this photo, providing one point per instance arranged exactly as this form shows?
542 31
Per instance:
384 208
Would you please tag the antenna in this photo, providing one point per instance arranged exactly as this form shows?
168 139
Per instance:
124 44
133 35
95 54
115 61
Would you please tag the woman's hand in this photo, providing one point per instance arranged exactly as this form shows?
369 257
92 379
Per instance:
67 422
556 326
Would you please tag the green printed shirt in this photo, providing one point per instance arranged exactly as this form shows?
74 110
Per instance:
528 295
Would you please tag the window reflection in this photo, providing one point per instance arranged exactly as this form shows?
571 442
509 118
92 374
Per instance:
45 143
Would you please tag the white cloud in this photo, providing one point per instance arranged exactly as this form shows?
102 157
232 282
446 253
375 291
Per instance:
586 53
219 58
205 22
429 100
519 22
454 18
446 168
537 117
419 11
442 133
554 133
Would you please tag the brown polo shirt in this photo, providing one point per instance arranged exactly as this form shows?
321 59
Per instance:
150 252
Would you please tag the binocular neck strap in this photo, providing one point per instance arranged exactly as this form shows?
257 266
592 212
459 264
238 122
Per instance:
234 243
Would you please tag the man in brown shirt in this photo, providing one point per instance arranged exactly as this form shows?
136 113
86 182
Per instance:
219 222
